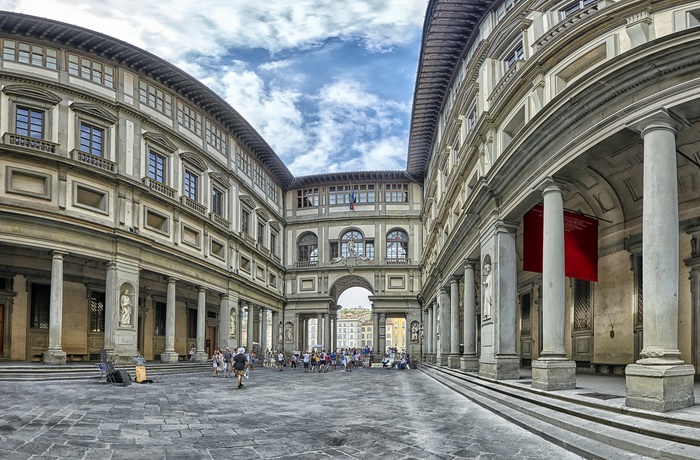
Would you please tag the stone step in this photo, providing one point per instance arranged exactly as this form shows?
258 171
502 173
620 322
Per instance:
589 429
29 372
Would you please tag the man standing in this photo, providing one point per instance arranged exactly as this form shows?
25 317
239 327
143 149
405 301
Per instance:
239 365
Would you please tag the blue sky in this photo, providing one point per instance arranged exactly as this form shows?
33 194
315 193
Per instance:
328 84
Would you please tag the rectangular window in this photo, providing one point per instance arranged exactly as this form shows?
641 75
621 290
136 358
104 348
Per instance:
189 118
159 318
27 53
30 123
505 7
243 162
369 249
273 243
261 233
577 6
272 191
245 221
41 295
214 136
97 312
337 195
190 186
258 176
217 201
518 54
334 249
156 167
156 98
472 119
396 193
364 193
91 70
307 198
91 139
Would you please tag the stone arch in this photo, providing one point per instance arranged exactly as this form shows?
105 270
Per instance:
346 282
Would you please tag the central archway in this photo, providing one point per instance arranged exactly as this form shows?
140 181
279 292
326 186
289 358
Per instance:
347 282
354 328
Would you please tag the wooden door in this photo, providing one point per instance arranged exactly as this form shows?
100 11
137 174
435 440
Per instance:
211 340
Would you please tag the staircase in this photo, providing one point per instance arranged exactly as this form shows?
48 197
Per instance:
590 429
27 372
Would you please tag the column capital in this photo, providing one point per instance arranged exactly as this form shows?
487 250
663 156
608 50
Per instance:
551 184
172 280
661 118
58 253
470 264
455 279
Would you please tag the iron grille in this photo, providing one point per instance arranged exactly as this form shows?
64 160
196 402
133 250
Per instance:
582 305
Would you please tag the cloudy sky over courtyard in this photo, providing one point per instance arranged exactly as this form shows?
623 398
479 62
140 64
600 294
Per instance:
328 84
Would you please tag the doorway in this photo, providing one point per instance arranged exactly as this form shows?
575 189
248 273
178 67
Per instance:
210 340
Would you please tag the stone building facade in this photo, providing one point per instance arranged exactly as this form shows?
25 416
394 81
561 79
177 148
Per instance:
140 213
589 107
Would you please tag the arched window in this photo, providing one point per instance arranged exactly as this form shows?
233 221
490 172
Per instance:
353 243
307 250
397 246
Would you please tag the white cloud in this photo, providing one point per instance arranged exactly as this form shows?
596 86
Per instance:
341 126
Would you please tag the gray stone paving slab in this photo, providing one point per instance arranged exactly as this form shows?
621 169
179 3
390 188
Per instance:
365 414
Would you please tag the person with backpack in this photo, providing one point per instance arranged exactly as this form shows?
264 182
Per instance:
228 359
216 362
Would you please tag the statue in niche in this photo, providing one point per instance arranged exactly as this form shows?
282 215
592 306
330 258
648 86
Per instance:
232 324
414 331
280 332
125 307
288 333
488 289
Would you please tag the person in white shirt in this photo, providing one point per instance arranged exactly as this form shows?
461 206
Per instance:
280 361
306 361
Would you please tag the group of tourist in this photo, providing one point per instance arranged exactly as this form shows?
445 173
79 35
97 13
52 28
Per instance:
230 363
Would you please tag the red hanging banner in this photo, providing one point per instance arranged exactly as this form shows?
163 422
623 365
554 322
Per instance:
580 244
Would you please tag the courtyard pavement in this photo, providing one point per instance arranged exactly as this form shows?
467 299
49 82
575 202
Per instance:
365 414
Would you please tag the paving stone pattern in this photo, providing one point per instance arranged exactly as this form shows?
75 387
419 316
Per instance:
364 414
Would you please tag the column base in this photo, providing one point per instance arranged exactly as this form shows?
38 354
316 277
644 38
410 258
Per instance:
501 369
469 363
442 360
200 357
453 361
169 357
660 388
55 357
553 375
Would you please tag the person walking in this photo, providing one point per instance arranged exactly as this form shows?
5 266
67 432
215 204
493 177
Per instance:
306 359
280 361
228 359
216 362
239 365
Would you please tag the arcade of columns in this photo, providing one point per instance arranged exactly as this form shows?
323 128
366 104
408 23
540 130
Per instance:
660 380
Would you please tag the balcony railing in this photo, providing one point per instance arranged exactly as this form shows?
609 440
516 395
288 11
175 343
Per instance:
219 220
192 204
159 188
94 161
305 264
400 261
29 143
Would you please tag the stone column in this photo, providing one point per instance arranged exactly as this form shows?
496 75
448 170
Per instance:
660 381
111 290
249 328
170 355
469 361
434 343
445 327
375 336
335 332
382 334
454 356
552 370
263 329
200 355
426 331
327 332
275 341
498 359
55 354
224 318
